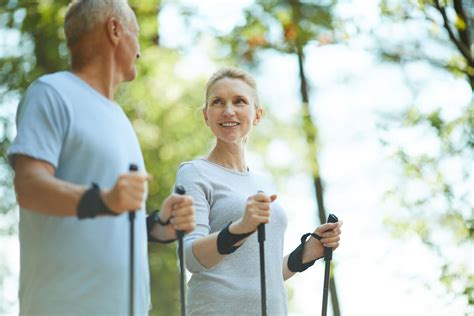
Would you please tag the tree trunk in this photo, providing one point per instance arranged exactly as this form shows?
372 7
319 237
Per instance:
311 139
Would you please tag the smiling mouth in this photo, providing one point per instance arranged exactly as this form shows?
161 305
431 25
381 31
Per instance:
229 124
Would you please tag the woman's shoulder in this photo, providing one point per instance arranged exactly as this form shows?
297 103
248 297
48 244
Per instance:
194 165
197 168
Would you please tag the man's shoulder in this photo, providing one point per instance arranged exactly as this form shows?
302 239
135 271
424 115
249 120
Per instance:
47 89
48 83
53 79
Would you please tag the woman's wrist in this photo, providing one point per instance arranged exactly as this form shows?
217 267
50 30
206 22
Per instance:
313 249
238 228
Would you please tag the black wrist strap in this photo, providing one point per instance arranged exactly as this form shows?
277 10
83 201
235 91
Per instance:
226 240
91 204
152 219
295 259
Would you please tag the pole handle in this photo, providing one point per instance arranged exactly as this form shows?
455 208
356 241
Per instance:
261 228
132 168
179 189
328 251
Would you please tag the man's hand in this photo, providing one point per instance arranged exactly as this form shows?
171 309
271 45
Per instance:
128 192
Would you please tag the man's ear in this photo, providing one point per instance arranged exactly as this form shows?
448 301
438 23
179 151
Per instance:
114 30
258 115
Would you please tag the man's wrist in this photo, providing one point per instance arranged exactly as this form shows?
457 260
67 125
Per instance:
91 204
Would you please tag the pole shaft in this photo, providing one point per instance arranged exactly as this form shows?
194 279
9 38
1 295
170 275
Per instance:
262 279
327 273
131 218
132 262
182 273
263 287
182 276
327 269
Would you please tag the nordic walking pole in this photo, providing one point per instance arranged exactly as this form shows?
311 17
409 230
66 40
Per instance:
131 218
180 190
263 290
327 257
263 287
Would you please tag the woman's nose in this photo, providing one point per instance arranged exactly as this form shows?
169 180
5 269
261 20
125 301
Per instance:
229 109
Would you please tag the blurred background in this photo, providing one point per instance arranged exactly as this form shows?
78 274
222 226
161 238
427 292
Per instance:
369 115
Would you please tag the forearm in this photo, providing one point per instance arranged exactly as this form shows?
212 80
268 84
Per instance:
311 251
286 272
205 250
40 192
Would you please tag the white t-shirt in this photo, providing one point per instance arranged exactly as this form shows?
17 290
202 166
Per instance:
70 266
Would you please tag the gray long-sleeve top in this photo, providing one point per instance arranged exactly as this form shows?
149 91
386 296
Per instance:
232 287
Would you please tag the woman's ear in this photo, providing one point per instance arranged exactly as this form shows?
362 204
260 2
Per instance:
204 114
258 115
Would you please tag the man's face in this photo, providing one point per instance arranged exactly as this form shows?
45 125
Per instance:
129 49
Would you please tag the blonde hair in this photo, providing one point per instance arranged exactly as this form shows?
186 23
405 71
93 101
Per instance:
232 73
83 15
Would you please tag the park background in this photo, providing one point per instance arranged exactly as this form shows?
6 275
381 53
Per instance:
369 115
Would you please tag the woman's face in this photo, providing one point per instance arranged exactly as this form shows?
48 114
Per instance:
231 111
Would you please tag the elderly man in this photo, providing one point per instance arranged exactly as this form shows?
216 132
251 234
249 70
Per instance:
71 159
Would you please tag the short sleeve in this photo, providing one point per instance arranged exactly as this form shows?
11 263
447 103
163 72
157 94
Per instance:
42 124
190 178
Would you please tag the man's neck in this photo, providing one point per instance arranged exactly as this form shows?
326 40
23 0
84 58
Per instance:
100 75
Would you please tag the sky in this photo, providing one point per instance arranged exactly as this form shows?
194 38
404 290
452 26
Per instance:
375 273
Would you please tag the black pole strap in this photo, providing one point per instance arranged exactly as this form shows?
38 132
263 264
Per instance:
295 259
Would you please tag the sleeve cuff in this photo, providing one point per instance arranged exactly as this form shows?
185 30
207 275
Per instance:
192 263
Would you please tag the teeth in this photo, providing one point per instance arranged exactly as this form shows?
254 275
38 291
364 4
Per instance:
229 124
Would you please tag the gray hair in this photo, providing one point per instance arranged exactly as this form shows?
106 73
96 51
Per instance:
83 15
232 73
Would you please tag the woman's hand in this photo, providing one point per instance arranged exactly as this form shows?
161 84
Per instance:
330 237
257 211
179 209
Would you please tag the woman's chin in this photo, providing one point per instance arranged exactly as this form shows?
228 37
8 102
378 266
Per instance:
228 139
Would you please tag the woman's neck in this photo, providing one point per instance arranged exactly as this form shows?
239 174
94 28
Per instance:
231 156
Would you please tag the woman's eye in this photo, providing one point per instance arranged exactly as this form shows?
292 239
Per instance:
217 102
241 101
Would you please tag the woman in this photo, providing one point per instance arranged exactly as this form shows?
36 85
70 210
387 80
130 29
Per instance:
231 200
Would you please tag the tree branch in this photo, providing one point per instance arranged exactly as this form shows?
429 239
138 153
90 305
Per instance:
463 33
460 45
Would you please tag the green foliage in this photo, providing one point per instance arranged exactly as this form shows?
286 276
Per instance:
281 26
454 18
443 177
435 188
